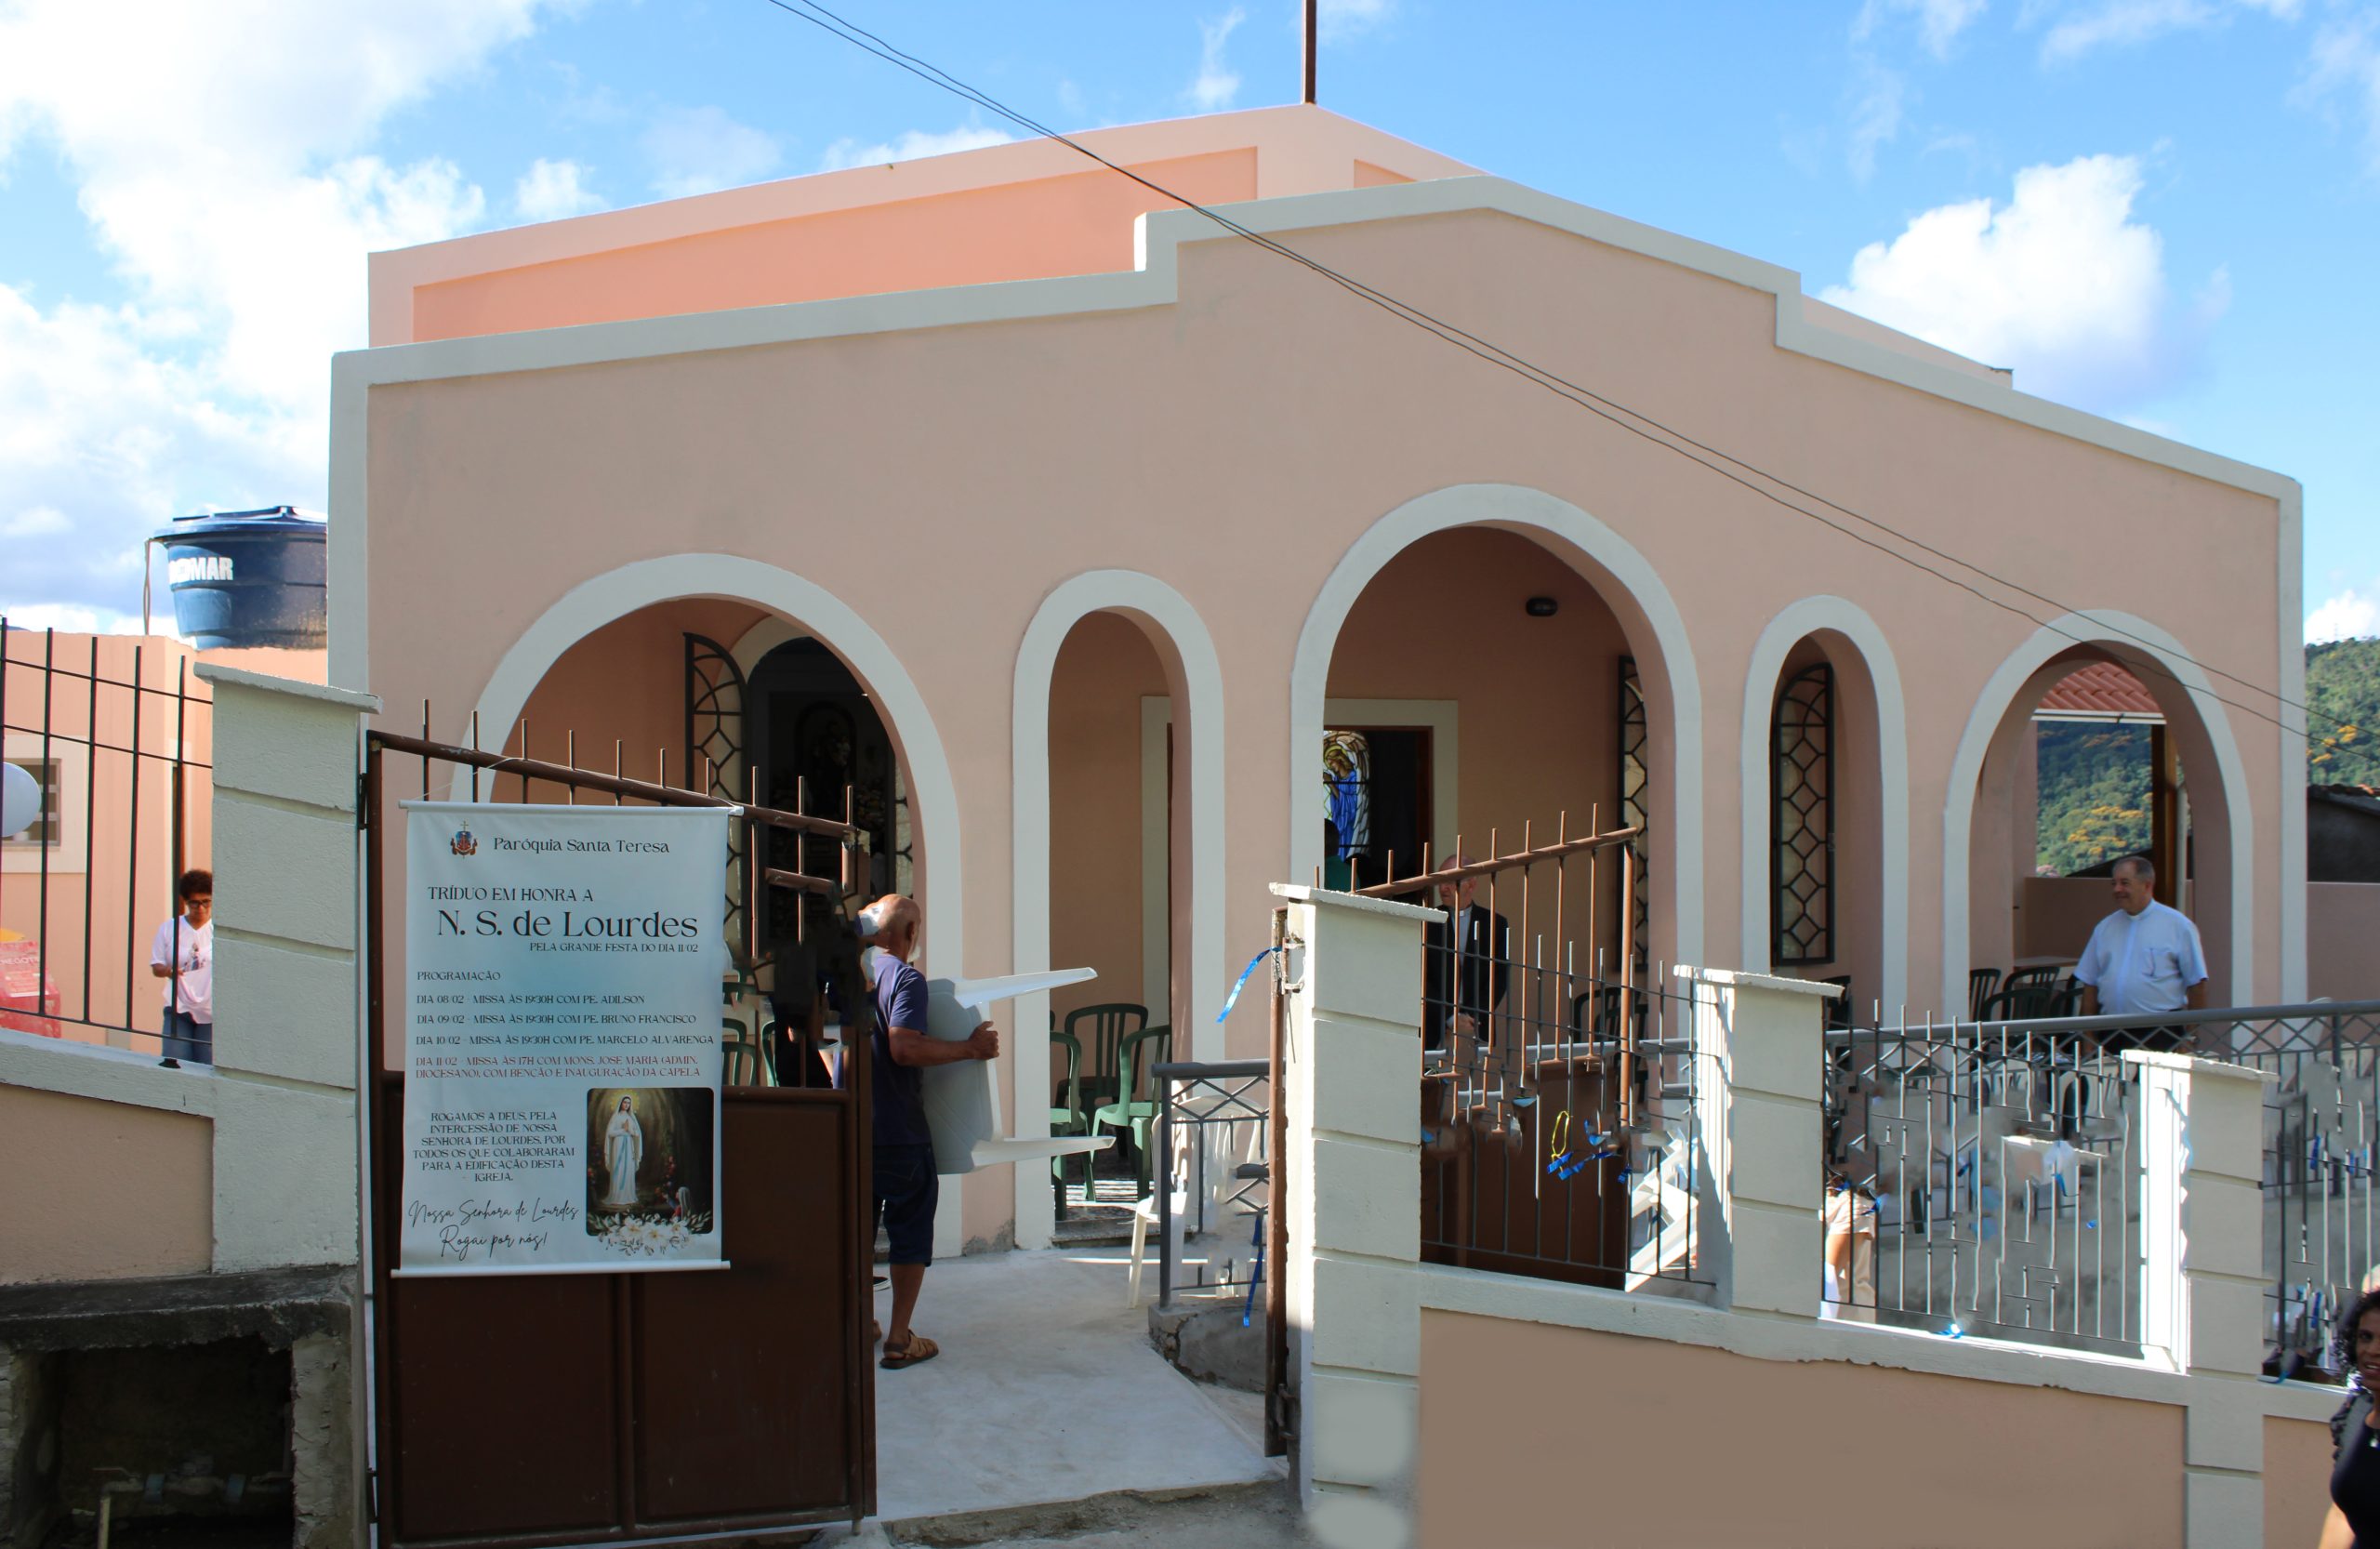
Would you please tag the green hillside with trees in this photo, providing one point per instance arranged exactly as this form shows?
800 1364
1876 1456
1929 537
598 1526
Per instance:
2343 684
2094 778
2095 793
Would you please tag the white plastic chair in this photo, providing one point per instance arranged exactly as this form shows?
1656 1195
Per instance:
1143 1217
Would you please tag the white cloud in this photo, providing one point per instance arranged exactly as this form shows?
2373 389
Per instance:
1875 116
107 432
553 191
1938 22
911 146
2059 283
1338 19
2345 62
68 619
696 149
2121 23
220 156
1217 82
2353 613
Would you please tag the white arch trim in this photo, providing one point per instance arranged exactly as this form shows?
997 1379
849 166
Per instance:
1849 619
1037 659
614 594
2122 632
1519 509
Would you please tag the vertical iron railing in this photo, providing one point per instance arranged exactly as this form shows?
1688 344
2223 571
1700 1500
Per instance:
1993 1166
2321 1127
118 734
1560 1126
1984 1180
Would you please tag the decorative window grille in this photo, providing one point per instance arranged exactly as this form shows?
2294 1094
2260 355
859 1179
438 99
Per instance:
715 753
1801 827
1635 786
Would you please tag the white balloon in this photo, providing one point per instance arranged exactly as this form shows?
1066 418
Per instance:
19 800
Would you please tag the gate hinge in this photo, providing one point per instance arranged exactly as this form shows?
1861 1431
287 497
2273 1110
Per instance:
362 802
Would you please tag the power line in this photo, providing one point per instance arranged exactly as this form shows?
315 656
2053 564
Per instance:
1752 478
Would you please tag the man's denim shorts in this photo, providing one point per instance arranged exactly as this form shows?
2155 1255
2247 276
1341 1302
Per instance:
906 1191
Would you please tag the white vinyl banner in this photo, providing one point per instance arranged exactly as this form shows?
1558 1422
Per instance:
562 1055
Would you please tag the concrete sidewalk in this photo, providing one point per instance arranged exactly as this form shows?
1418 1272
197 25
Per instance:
1047 1390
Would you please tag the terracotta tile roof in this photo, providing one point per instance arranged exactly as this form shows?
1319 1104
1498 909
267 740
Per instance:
2100 688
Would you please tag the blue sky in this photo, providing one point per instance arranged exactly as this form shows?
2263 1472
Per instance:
2167 211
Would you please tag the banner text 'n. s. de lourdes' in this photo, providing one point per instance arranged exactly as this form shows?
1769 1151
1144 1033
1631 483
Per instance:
562 1055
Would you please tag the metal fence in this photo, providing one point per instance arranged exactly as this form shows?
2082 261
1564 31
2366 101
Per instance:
1214 1133
1560 1126
2321 1109
117 734
1982 1179
1990 1168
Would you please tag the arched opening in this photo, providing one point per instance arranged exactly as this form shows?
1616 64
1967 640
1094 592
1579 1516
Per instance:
2136 761
1484 693
1491 690
1119 778
1116 831
1644 704
1820 865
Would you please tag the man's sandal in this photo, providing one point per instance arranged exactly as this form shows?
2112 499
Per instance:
918 1348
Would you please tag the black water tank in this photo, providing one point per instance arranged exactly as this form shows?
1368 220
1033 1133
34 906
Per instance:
248 577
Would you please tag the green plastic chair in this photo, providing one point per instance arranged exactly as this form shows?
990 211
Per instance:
1982 985
1068 1119
1109 1025
746 1066
1137 1113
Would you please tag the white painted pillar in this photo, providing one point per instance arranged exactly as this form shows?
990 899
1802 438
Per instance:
287 935
288 1046
1758 1038
2202 1287
1352 1058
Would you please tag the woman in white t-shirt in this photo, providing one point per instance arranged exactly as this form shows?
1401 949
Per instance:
183 954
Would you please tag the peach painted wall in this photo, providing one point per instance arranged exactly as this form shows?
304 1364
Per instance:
940 481
104 1190
1604 1439
2297 1482
2342 927
2056 915
1011 212
1104 669
1073 225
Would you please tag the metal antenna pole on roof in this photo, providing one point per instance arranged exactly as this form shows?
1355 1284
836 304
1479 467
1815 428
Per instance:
1311 8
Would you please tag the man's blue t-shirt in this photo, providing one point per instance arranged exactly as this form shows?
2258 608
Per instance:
897 1091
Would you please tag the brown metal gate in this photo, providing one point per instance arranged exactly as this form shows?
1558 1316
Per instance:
548 1409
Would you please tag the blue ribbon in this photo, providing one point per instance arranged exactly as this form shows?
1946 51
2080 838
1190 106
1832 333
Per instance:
1241 983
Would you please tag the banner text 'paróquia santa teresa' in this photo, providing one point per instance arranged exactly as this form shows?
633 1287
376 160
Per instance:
563 1054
